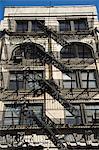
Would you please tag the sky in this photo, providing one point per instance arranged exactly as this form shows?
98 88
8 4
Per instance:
4 3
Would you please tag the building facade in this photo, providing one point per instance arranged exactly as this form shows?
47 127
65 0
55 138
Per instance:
49 78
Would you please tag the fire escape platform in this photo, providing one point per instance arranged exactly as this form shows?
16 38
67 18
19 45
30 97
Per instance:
28 130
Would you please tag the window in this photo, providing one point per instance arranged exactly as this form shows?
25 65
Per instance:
69 81
36 25
26 115
73 25
64 25
31 25
84 51
23 80
22 114
80 79
79 50
81 24
16 81
88 79
68 52
11 115
70 119
21 26
27 51
92 113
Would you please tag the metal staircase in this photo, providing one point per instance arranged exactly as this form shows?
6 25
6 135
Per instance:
2 33
46 57
53 34
51 133
51 88
48 87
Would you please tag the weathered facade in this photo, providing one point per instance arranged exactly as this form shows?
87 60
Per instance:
49 78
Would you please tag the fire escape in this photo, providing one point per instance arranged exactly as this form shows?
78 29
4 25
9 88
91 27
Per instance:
49 86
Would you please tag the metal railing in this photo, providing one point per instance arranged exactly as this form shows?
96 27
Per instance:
14 117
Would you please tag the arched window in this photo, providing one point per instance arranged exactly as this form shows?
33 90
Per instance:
26 51
75 49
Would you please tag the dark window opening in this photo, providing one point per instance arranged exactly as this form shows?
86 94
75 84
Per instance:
36 25
68 52
27 51
76 50
81 24
21 26
64 25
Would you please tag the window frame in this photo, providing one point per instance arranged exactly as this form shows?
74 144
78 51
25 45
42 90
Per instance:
72 24
88 80
79 81
36 28
65 27
20 21
12 108
81 20
29 27
24 83
76 50
71 81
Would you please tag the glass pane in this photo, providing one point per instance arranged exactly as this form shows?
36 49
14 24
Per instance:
67 84
90 112
84 75
69 81
92 84
92 81
76 25
7 121
8 113
20 77
38 110
64 25
20 85
90 107
12 77
84 52
68 52
81 24
91 76
71 76
12 85
16 121
11 115
36 27
22 26
66 77
84 84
